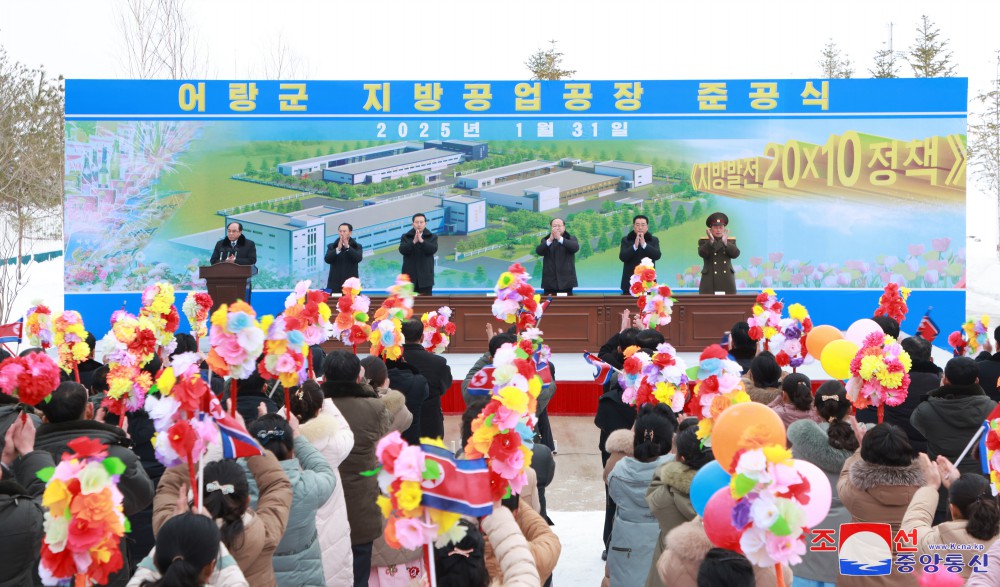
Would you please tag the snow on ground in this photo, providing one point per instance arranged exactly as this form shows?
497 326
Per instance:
580 534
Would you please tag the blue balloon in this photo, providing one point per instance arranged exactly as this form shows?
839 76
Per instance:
707 481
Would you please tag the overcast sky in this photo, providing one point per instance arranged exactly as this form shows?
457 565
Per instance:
463 39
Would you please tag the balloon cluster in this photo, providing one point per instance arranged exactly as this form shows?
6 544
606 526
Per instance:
70 339
158 307
892 303
181 393
237 340
403 471
717 389
196 307
656 379
38 326
788 341
85 521
973 335
879 373
756 499
516 301
387 328
498 431
351 325
30 378
654 301
438 329
835 350
766 318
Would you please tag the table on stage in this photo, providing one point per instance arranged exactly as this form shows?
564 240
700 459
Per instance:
575 323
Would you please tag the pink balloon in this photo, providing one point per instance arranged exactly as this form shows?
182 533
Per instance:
820 493
718 521
857 332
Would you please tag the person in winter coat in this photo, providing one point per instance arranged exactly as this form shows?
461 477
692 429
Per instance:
462 564
974 511
189 551
685 550
742 348
325 427
297 560
544 467
418 247
763 379
251 392
987 574
726 567
67 416
925 376
795 401
343 257
876 485
669 493
369 420
21 516
542 541
377 376
951 416
496 341
827 445
633 536
989 369
408 380
636 246
251 535
558 252
435 369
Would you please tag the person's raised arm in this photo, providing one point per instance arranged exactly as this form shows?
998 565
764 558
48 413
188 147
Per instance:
355 252
652 249
572 245
405 246
331 253
430 245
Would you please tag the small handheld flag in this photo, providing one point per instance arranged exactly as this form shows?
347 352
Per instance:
602 370
927 328
482 382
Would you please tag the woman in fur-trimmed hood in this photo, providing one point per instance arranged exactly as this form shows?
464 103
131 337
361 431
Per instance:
876 485
669 493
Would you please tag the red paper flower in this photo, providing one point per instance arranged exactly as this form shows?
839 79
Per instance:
86 448
993 440
358 335
505 445
756 333
636 288
182 437
498 486
173 320
525 368
709 384
782 359
713 352
648 275
59 564
450 329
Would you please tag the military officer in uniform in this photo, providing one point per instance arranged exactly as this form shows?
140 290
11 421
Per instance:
718 251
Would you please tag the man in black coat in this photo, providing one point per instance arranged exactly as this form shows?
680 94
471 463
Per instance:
989 371
558 253
435 369
236 248
637 245
343 257
418 247
406 379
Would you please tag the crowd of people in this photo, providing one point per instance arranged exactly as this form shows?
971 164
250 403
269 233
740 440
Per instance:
305 511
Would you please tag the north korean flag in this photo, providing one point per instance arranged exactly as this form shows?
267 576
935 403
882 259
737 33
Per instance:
462 488
11 332
482 381
602 370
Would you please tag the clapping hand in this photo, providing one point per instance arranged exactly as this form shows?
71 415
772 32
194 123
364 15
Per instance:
708 232
626 321
490 333
932 473
725 236
640 240
947 471
418 238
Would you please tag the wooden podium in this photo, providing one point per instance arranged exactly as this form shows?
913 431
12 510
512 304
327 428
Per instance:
227 282
585 322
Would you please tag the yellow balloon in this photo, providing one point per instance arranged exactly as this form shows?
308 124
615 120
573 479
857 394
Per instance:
836 358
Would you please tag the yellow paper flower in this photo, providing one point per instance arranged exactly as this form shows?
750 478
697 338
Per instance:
409 495
890 380
739 397
535 386
704 428
445 521
514 399
776 453
904 358
770 331
266 322
384 504
56 497
324 311
165 382
870 364
797 312
482 437
664 392
220 316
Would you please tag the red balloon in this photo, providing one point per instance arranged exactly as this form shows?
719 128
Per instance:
718 521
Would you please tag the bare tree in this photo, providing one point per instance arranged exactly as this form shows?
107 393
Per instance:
928 56
833 63
281 62
31 169
547 64
984 140
159 40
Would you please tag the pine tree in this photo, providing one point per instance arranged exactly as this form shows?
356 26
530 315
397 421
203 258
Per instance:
984 139
547 64
886 64
833 63
929 56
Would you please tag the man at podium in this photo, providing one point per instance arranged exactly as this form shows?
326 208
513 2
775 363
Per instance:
718 252
236 248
